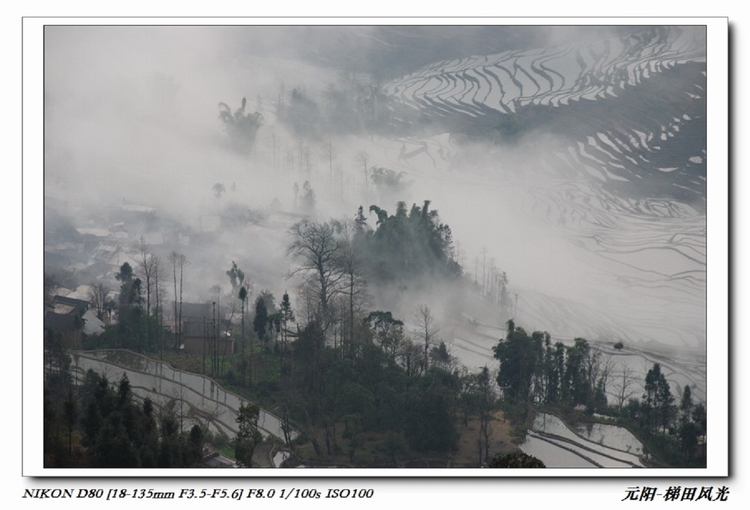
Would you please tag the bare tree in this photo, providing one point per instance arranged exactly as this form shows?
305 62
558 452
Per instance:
330 152
316 248
624 384
354 285
179 261
305 154
411 357
146 263
99 295
427 329
592 366
273 149
486 405
363 157
606 371
159 278
146 266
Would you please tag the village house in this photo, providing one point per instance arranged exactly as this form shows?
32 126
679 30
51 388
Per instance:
201 332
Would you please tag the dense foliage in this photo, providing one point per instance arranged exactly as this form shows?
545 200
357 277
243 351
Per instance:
532 369
407 245
515 460
101 426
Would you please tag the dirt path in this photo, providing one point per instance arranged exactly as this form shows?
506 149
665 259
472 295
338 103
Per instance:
262 455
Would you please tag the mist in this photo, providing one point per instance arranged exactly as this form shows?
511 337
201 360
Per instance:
588 220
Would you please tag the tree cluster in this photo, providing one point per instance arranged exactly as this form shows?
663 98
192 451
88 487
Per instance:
352 108
241 126
332 363
338 261
361 366
391 186
370 393
407 245
534 372
678 431
101 426
136 320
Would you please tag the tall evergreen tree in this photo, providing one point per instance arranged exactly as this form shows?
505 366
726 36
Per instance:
260 321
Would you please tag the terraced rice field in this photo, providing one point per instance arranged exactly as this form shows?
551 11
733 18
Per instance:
560 447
